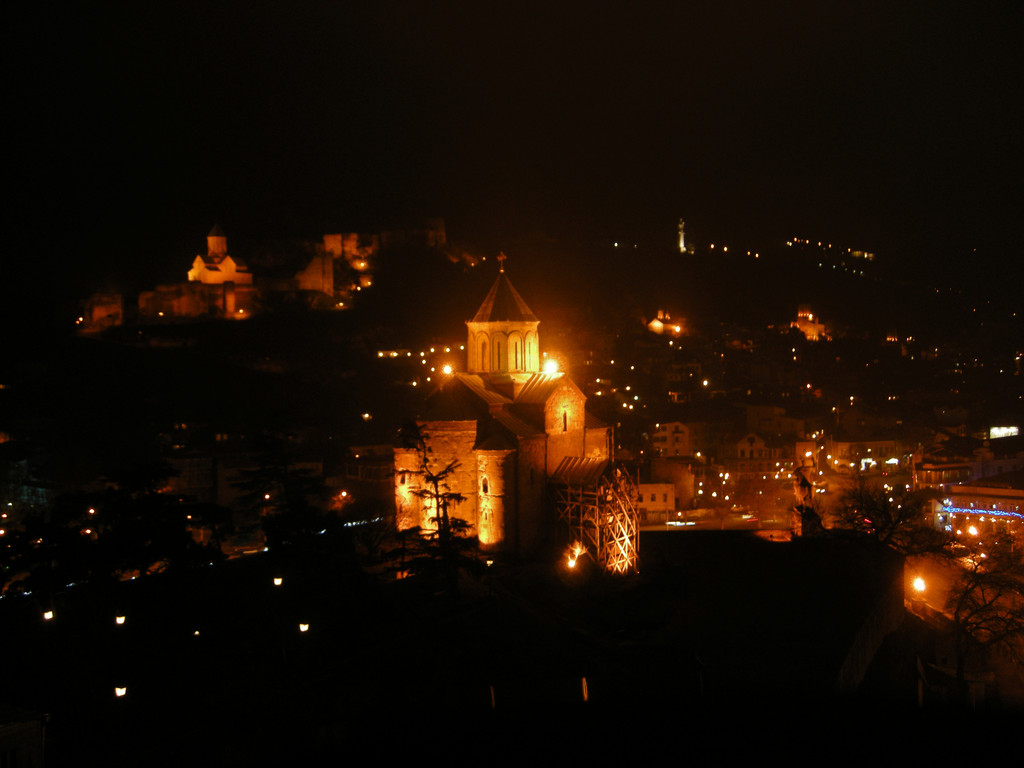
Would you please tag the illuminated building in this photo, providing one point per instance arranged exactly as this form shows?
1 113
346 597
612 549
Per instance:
656 501
813 330
664 324
749 453
676 438
995 505
968 461
845 454
218 285
507 425
218 266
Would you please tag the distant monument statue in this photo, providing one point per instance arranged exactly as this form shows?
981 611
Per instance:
806 521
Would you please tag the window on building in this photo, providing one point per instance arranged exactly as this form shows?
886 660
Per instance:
664 498
653 497
565 421
484 485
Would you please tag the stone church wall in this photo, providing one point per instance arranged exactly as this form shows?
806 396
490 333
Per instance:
497 495
448 441
563 420
526 530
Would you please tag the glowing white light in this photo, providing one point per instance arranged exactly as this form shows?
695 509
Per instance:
120 692
574 553
278 581
303 627
119 619
48 615
550 365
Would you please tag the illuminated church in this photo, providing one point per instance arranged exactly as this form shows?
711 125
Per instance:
509 426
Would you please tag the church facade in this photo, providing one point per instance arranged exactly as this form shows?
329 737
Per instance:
505 425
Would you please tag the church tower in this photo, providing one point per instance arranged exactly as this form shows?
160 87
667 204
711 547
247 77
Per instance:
506 428
216 243
503 334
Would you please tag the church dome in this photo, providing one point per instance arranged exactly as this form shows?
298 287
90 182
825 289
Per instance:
503 333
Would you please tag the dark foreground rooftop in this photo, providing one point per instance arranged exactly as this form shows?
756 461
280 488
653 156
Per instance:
723 644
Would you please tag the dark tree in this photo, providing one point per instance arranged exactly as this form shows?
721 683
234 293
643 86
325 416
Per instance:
987 603
368 519
132 528
448 545
288 497
896 517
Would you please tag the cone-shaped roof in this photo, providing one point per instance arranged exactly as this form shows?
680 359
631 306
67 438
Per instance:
503 303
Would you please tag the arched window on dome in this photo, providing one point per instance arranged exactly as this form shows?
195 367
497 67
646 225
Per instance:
483 356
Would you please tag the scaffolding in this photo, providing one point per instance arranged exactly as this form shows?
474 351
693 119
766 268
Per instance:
595 503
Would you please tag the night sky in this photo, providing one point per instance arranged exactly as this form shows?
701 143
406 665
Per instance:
887 126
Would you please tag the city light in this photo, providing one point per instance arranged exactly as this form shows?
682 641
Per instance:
575 551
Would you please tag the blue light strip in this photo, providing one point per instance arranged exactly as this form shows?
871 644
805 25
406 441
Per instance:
989 512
